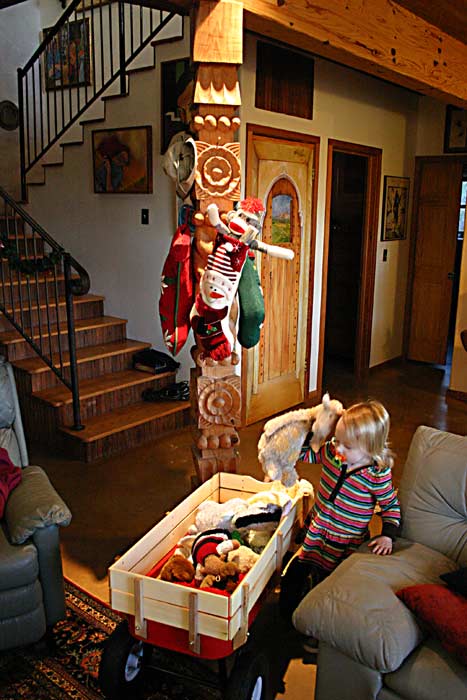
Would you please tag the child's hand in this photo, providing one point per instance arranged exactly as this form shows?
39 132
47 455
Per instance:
381 545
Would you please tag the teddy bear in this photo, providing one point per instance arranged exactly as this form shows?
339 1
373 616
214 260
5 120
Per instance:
282 438
218 573
178 568
244 557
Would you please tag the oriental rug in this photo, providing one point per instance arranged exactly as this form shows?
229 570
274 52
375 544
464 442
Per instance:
69 668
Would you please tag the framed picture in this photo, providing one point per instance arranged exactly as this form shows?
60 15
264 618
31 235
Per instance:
455 132
177 81
395 207
68 56
122 160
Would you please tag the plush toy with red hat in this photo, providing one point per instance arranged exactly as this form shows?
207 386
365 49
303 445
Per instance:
209 552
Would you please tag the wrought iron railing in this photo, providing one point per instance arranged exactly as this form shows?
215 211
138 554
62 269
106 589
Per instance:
90 46
38 280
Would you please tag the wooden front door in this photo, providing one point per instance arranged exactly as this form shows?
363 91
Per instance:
436 213
280 172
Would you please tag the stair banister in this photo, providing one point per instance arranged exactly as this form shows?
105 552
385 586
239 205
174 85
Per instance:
59 261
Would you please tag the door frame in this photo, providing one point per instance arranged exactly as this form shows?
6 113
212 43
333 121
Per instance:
291 137
419 161
370 239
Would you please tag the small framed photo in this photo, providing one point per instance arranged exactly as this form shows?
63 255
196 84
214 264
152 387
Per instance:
455 132
395 208
122 160
67 56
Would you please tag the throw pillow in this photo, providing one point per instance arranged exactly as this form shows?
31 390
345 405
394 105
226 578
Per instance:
443 612
456 580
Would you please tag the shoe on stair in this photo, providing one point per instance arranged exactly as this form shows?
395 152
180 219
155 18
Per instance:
175 392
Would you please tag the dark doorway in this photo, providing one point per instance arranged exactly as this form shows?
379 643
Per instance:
347 223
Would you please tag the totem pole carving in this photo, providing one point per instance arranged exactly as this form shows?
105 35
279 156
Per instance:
224 291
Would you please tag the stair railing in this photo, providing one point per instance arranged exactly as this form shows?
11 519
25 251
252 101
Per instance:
91 45
38 280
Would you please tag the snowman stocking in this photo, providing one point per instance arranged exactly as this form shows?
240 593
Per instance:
218 286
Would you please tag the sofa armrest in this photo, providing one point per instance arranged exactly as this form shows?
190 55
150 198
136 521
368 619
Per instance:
34 504
356 611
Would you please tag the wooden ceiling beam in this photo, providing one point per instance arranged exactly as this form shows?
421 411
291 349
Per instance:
375 36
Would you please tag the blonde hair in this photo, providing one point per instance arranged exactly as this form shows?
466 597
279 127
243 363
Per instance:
367 425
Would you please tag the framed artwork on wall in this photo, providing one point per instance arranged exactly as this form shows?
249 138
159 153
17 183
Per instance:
395 207
122 160
67 56
177 84
455 131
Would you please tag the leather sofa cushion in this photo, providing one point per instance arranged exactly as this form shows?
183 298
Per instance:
433 492
34 504
429 673
355 609
20 601
18 565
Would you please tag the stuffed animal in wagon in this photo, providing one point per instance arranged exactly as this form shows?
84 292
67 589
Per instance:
209 553
282 438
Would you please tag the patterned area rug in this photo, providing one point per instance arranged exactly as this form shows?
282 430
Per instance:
70 670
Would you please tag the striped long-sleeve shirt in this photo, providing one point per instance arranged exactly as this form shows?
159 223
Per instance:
345 503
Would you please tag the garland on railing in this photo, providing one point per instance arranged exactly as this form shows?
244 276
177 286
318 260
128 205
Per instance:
9 252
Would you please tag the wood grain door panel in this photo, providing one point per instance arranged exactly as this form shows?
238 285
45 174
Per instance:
436 211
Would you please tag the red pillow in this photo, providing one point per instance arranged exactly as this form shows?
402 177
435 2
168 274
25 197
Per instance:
443 612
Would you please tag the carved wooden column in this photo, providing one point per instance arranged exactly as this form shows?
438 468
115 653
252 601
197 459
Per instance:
217 51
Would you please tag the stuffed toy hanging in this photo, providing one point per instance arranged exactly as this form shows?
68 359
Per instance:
177 291
217 289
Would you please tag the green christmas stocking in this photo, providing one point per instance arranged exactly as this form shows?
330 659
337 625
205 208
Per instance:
251 304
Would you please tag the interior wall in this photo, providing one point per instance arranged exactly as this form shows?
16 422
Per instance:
352 107
103 231
125 258
19 37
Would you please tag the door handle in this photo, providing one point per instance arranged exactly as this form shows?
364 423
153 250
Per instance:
451 275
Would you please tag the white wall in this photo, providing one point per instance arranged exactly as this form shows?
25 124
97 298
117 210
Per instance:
104 232
19 37
353 107
125 259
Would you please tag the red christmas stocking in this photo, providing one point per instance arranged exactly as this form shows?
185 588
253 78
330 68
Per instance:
177 291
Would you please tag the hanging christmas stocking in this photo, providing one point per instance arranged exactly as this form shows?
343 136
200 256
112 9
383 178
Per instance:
251 303
217 289
176 300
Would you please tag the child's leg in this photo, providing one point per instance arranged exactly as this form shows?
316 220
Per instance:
295 584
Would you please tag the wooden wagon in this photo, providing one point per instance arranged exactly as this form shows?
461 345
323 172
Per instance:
195 622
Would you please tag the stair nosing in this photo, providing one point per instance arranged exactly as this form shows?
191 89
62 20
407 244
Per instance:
137 345
84 396
107 321
82 299
168 407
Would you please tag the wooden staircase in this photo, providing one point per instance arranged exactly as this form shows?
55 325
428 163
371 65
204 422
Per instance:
114 415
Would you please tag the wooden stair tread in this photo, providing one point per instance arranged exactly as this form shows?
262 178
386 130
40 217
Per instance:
41 279
60 395
34 365
61 302
83 324
125 418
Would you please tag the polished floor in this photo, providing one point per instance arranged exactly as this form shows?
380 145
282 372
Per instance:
115 501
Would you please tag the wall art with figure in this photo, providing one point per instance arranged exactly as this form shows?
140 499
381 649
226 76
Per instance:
395 208
68 56
122 160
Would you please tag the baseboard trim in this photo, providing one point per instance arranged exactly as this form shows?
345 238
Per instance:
459 395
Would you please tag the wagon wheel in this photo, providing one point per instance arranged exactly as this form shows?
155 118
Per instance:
122 661
249 679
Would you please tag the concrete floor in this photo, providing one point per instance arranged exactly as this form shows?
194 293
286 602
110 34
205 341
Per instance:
115 501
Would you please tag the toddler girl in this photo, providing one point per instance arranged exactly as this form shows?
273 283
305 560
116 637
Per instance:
355 476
